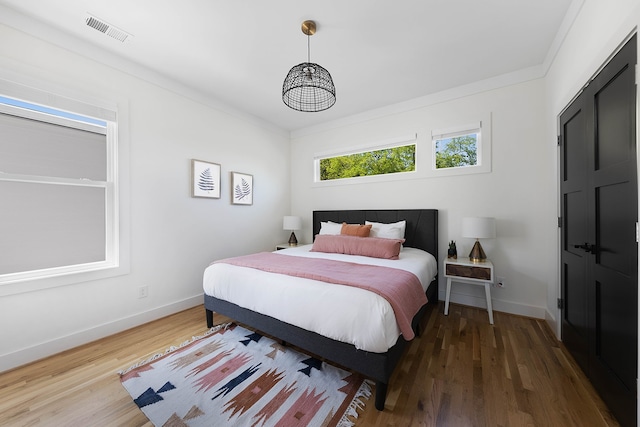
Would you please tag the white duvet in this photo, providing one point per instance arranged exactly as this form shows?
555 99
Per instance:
343 313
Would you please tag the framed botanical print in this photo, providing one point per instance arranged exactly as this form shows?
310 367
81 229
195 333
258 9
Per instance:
205 179
241 188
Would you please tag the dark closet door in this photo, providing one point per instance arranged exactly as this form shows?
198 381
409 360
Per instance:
599 254
575 261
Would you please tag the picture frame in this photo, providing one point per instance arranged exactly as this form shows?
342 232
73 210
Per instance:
241 188
205 179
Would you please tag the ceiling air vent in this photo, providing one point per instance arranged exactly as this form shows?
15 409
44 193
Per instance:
106 28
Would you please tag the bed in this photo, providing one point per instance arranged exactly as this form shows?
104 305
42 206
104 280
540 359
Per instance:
421 233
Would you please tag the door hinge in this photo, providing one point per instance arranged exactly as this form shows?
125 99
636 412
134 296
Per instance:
559 139
560 303
559 222
637 233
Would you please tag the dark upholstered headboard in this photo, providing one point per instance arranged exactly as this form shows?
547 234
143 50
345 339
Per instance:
421 231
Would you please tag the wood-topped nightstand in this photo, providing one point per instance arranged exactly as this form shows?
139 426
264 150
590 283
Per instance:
286 246
465 271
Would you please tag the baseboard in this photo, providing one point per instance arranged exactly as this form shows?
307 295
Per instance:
31 354
553 324
498 305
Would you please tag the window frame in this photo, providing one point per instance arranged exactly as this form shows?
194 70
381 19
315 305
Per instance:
379 145
435 138
483 148
117 237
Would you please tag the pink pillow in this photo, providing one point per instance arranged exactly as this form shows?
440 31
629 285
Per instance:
351 245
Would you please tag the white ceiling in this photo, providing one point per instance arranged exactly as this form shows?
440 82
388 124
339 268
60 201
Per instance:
379 53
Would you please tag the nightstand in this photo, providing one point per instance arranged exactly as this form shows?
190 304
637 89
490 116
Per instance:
285 246
464 271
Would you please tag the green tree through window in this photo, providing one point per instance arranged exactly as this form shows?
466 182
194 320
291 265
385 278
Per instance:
457 151
378 162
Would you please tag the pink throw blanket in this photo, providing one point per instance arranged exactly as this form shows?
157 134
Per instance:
401 288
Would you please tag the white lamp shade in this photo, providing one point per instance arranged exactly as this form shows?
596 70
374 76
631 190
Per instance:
291 223
479 228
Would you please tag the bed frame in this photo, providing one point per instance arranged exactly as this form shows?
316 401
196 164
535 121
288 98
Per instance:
421 232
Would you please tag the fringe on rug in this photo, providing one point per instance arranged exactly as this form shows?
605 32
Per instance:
364 393
174 348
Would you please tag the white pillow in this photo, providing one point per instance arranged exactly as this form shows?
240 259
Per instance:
387 231
330 228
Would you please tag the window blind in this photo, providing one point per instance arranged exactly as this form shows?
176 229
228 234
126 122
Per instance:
53 194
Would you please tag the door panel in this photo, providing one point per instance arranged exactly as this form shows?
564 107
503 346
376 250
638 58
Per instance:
612 348
613 122
576 231
616 233
575 325
613 362
573 157
599 210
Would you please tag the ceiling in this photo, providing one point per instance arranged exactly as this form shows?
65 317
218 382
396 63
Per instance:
238 52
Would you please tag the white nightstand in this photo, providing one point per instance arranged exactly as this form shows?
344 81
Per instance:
464 271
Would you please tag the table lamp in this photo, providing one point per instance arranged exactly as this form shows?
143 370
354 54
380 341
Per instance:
292 223
478 228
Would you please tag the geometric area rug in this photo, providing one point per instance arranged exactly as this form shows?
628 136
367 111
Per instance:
236 377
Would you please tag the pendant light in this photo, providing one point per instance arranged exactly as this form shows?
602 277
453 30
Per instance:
308 86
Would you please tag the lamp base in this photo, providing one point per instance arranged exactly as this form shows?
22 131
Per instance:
292 240
477 253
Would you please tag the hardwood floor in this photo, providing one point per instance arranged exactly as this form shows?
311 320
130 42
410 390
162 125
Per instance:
460 372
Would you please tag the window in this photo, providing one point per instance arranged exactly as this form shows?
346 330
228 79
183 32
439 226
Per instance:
58 184
384 159
456 149
462 149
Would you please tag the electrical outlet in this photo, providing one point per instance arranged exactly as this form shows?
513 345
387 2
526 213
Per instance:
143 291
500 283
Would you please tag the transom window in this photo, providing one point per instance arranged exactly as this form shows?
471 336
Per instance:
380 160
457 148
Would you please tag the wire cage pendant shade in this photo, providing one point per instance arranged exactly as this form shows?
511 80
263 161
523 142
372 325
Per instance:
308 86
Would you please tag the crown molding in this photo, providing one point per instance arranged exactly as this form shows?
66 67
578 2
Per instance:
43 31
516 77
504 80
569 18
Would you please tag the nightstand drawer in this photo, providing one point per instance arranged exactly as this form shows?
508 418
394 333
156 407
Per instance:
286 246
481 273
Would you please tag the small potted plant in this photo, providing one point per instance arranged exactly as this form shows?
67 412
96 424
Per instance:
452 252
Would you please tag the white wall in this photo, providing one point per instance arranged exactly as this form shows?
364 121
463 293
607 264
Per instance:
173 236
600 28
516 192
